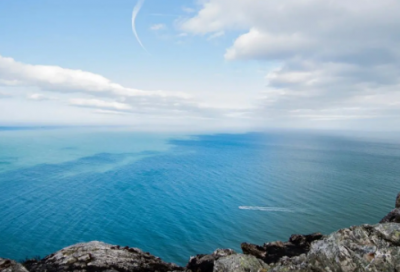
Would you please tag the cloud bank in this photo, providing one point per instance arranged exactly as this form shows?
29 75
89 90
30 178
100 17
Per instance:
98 92
334 60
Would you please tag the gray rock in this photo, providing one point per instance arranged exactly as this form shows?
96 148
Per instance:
7 265
98 256
205 263
240 263
361 248
393 216
273 252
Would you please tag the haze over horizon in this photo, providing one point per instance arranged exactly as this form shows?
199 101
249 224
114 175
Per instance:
203 65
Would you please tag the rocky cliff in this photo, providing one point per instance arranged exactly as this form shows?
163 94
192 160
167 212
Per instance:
359 248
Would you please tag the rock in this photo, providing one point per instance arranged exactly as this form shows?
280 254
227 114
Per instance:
98 256
361 248
398 201
393 216
240 263
205 263
272 252
7 265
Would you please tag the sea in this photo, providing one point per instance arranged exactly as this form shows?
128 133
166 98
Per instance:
178 195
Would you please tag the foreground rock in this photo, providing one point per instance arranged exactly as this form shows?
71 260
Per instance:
240 263
205 263
7 265
361 248
393 216
272 252
98 256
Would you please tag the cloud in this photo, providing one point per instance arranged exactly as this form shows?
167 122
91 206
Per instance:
58 79
104 93
344 31
54 78
157 27
327 56
188 10
110 112
135 13
216 35
40 97
259 45
100 104
4 95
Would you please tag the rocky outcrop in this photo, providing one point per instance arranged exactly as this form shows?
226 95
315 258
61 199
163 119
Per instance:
272 252
357 249
7 265
98 256
205 263
361 248
393 216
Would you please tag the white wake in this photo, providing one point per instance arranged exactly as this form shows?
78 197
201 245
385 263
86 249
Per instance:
266 209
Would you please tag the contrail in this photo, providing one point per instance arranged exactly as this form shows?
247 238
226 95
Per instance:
134 15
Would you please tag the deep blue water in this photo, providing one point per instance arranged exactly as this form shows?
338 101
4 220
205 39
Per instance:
177 196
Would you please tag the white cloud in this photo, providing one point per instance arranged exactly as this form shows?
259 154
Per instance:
188 10
101 104
8 82
54 78
4 95
328 55
261 45
157 27
39 97
359 30
61 80
110 112
216 35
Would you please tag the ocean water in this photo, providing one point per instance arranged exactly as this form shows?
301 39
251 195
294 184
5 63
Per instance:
180 195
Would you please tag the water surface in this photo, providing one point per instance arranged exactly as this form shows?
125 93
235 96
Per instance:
180 195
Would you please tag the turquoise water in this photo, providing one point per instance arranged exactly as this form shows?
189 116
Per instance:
180 195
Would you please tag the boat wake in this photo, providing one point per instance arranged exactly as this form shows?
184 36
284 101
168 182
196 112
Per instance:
267 209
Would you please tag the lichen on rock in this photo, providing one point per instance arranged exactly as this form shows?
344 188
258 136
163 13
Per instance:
240 263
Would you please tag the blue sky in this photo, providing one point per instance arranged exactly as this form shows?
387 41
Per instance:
210 65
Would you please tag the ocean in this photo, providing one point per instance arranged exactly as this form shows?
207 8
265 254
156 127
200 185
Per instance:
180 195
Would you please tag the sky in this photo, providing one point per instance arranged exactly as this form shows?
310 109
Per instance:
240 65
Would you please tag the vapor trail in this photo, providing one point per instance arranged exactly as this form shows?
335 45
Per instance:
134 15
